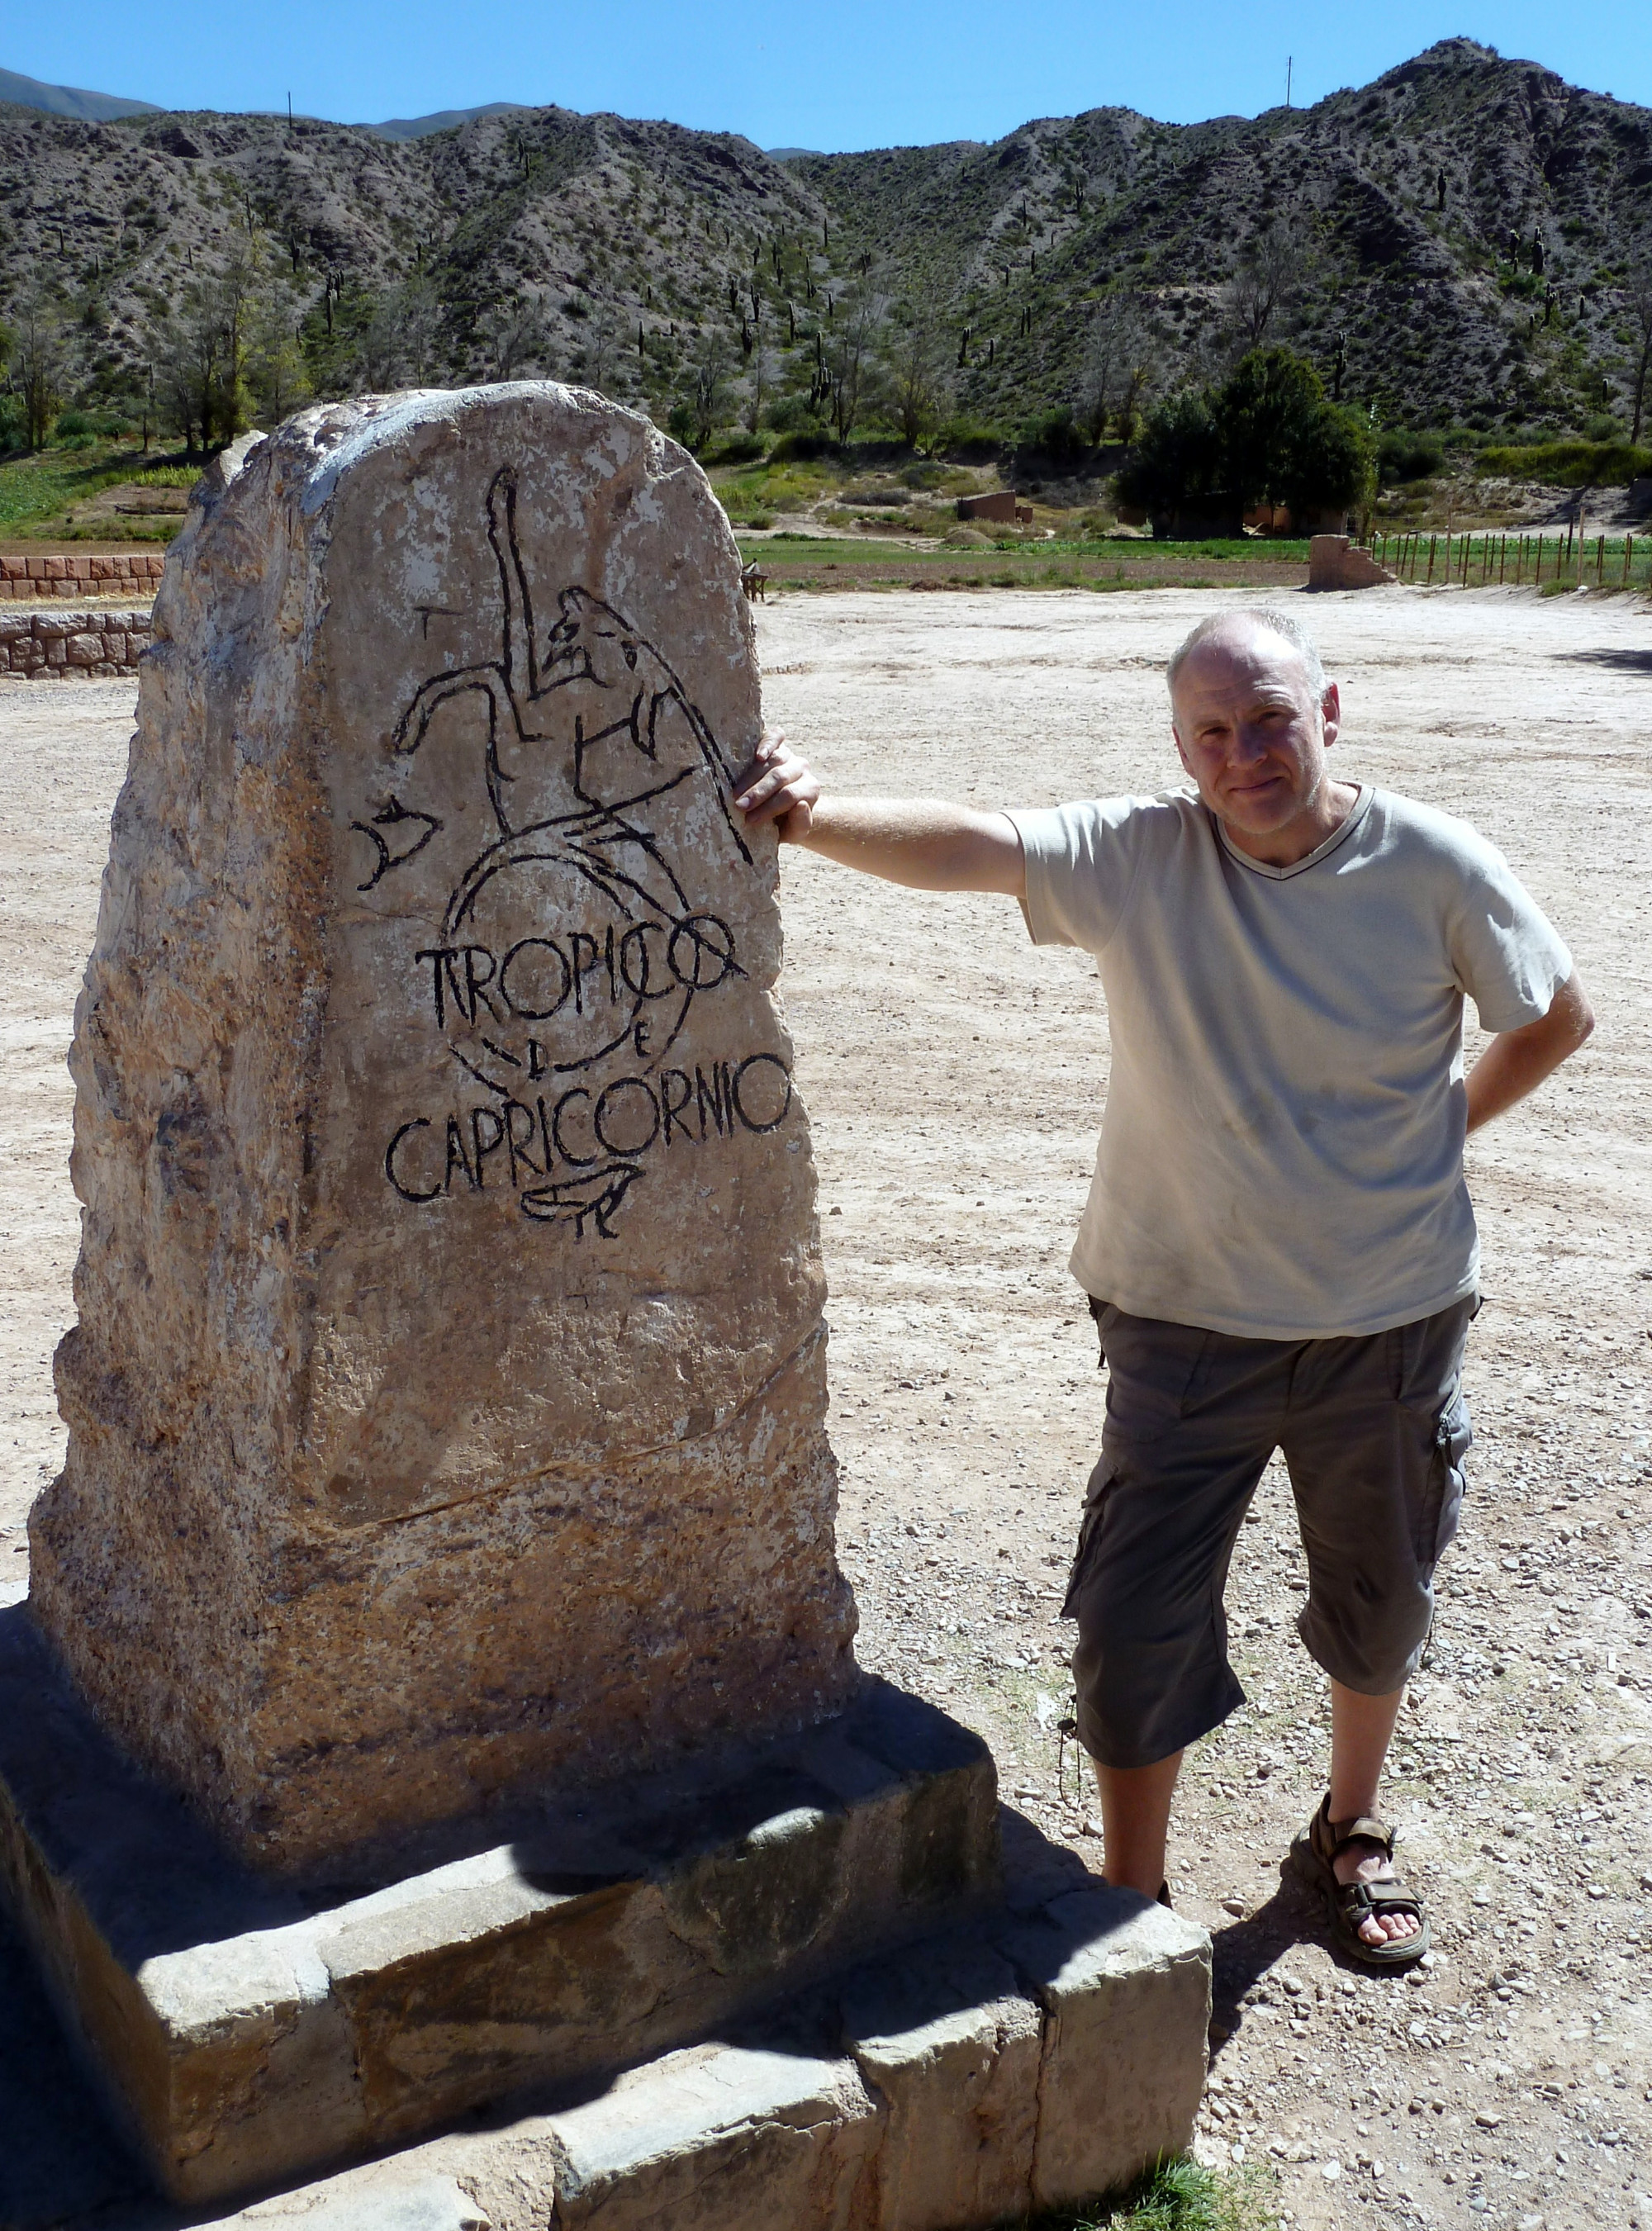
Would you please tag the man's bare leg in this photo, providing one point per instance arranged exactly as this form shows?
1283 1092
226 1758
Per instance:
1361 1727
1136 1821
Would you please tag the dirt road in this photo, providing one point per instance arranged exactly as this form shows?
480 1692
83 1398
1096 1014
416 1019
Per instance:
955 1078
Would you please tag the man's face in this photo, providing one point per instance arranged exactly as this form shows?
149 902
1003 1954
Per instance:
1250 731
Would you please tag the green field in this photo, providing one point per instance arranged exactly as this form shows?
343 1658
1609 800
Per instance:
819 562
38 493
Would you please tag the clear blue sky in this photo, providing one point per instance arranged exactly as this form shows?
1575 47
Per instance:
839 73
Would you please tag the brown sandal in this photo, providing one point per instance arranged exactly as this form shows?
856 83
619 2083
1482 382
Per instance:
1351 1903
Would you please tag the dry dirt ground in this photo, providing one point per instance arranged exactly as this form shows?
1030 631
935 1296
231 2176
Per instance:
955 1077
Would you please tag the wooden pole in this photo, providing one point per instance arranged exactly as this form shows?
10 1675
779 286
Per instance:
1628 545
1502 562
1600 561
1433 539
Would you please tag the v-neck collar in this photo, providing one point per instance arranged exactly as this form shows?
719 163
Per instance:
1344 829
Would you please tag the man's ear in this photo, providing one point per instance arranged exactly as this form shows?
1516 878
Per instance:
1331 706
1180 754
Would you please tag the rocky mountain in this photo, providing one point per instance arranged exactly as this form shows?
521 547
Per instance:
1448 242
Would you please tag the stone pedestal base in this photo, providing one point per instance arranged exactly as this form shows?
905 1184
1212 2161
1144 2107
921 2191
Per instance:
248 2033
1035 2062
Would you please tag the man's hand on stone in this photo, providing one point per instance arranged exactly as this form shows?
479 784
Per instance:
778 786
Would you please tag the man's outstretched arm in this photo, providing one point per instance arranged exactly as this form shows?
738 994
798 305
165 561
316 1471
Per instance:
1516 1061
920 842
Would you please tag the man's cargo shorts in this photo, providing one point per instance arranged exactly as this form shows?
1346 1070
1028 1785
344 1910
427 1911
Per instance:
1374 1431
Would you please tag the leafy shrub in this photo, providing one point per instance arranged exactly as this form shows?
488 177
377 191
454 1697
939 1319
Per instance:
801 447
1407 456
735 450
1054 433
99 425
1568 464
792 415
1602 427
970 441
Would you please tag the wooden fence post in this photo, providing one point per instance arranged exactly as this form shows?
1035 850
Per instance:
1600 561
1502 561
1628 545
1433 539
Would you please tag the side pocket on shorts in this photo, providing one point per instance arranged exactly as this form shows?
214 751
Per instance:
1454 1436
1083 1556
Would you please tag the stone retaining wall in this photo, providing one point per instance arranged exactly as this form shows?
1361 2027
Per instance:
71 574
74 644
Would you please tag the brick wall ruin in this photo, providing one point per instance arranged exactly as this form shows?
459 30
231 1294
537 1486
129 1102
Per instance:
72 574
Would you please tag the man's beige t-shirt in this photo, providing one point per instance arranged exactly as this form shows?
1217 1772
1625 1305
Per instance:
1282 1154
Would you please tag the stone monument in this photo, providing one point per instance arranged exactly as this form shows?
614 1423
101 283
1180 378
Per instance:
437 1686
447 1403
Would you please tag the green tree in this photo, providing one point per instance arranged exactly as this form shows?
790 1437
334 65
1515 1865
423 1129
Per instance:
854 338
708 387
1284 442
211 356
40 363
1267 434
920 387
276 371
1178 465
1118 365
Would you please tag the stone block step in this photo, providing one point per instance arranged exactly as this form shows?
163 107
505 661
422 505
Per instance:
247 2032
1038 2063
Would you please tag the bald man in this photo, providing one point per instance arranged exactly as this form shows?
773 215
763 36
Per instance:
1279 1246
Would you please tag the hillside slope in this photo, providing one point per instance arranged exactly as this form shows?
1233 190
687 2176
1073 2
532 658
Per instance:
1409 195
598 248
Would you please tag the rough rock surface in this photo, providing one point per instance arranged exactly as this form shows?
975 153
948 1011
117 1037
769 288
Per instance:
446 1408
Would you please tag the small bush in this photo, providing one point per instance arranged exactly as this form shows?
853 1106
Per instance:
970 441
1602 427
1179 2195
737 448
801 447
792 415
75 428
1406 456
1055 434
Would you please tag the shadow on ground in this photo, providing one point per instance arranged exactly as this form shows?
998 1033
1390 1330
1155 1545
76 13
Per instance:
1619 661
1242 1956
61 2160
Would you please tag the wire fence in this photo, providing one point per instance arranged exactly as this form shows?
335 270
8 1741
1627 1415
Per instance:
1562 560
